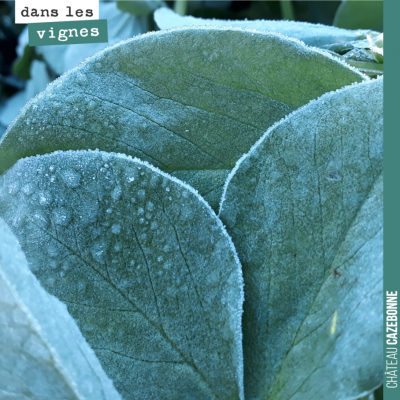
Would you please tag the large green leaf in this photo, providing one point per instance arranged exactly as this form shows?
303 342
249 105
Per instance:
42 353
311 34
143 265
305 216
355 14
190 101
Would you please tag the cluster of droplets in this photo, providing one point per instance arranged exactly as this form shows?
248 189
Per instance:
120 223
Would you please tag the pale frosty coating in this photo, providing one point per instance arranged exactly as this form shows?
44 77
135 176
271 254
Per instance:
289 205
311 34
346 364
42 353
144 266
190 101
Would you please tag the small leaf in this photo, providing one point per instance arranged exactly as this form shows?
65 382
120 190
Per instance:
311 34
304 214
42 353
190 101
21 66
143 265
360 15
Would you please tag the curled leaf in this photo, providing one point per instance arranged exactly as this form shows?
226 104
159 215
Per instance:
311 34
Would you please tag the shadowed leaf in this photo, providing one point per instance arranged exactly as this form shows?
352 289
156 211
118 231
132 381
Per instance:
360 15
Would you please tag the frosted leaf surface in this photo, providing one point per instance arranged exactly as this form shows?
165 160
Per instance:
143 265
291 206
42 353
190 101
311 34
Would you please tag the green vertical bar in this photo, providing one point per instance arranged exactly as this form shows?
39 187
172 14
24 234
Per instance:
391 12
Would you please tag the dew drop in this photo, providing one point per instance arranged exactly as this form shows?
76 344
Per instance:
71 178
116 229
116 193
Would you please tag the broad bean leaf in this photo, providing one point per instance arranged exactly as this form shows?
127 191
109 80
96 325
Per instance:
360 15
343 329
312 34
296 208
143 265
42 353
190 101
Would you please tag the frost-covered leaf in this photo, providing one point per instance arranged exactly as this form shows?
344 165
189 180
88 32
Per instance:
360 15
143 265
42 353
300 209
311 34
140 8
342 335
190 101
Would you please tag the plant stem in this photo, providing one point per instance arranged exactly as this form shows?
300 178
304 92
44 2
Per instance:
287 10
180 7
